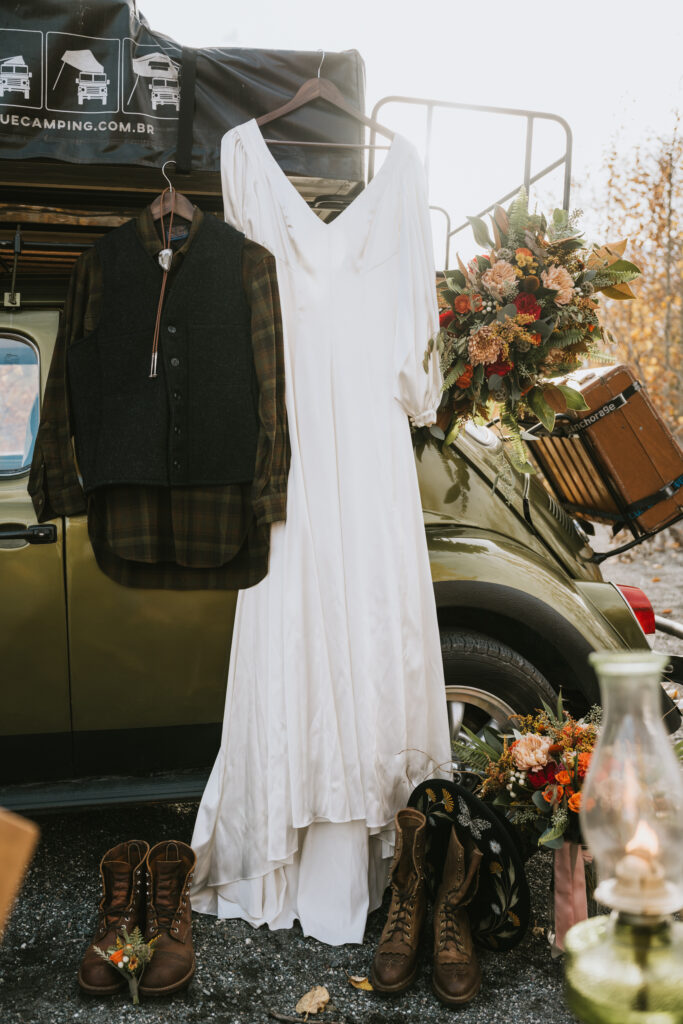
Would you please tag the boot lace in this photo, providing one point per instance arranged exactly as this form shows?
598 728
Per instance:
400 916
449 932
166 900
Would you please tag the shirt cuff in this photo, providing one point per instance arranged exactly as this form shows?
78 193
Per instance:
271 508
424 419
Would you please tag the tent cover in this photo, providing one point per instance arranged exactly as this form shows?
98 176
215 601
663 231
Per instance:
218 88
144 66
12 60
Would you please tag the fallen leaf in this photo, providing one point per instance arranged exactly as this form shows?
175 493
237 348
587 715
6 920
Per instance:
656 579
314 1001
667 611
361 983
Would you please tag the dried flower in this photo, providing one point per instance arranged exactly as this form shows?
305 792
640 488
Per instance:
530 752
465 378
560 280
462 304
500 280
484 345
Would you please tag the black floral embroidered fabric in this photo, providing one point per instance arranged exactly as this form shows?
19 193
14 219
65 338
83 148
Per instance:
499 913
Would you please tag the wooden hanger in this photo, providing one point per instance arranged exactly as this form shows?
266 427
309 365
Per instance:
171 199
324 89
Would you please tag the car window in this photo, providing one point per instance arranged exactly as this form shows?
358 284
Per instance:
19 403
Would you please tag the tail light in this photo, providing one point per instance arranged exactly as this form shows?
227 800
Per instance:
640 606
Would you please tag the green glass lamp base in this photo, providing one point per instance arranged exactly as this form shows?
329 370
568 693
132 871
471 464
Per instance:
625 970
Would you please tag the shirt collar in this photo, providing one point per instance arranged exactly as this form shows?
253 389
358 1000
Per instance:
148 230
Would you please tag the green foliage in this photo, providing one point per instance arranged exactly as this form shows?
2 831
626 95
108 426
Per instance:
573 398
515 446
468 756
562 339
518 216
538 405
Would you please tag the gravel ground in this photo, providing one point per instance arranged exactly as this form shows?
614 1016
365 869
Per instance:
242 974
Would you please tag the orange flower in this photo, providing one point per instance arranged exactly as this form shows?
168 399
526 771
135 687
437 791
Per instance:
462 304
117 956
553 793
563 777
575 802
584 761
535 339
477 302
465 379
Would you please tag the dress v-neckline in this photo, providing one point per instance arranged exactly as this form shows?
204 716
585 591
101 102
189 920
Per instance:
397 145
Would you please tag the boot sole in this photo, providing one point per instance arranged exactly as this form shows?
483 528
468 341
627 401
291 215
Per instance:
175 987
392 989
449 1000
93 990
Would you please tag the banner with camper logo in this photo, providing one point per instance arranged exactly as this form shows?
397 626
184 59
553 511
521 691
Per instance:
92 83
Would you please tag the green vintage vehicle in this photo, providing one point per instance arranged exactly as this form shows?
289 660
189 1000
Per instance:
112 694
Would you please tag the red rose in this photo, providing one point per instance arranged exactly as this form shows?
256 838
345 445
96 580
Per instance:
446 317
526 303
501 369
543 777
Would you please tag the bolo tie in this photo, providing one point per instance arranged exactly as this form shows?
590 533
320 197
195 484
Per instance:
165 258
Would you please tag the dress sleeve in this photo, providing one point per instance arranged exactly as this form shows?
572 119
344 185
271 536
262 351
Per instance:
54 483
418 375
269 488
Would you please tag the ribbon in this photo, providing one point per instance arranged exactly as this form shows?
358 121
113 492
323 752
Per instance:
571 904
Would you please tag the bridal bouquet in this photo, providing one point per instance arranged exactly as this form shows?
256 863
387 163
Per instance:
524 313
536 774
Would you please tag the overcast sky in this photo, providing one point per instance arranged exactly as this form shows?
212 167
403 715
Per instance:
608 68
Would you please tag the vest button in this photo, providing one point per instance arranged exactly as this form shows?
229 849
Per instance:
176 464
171 330
176 395
176 429
175 362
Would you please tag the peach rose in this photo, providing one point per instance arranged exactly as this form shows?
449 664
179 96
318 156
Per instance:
500 280
560 281
531 752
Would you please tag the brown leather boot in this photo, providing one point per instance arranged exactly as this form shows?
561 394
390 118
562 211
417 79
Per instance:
395 964
456 977
170 866
122 870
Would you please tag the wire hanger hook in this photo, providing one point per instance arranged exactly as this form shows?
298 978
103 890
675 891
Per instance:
163 171
321 63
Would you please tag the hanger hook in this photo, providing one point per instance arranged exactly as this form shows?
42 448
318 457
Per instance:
163 171
321 63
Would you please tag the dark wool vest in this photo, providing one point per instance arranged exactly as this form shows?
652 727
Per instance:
196 422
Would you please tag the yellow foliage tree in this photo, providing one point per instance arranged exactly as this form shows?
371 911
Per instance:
644 202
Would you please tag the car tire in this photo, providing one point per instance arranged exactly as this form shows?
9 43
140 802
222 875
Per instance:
487 681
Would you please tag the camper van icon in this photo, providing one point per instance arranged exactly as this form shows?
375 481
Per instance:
15 76
91 79
162 73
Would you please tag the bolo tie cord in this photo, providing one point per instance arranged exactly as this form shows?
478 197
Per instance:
166 246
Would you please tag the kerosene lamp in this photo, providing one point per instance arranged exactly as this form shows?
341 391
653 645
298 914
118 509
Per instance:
627 968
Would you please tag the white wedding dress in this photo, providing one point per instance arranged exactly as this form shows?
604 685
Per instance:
335 705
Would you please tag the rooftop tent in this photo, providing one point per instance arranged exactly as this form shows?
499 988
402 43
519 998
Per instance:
220 87
144 67
83 60
12 60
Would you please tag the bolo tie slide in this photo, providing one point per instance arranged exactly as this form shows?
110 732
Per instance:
165 259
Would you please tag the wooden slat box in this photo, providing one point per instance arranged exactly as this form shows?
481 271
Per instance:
617 462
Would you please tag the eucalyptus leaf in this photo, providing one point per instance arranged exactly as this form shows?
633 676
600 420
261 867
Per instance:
551 840
437 432
480 232
542 804
541 408
495 382
574 398
456 278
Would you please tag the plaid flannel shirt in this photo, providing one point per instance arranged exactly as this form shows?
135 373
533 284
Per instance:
184 538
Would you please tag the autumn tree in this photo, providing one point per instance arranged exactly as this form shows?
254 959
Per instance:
644 202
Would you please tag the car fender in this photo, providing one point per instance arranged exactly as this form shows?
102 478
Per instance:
483 579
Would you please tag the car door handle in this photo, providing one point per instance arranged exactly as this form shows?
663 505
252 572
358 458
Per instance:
42 533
